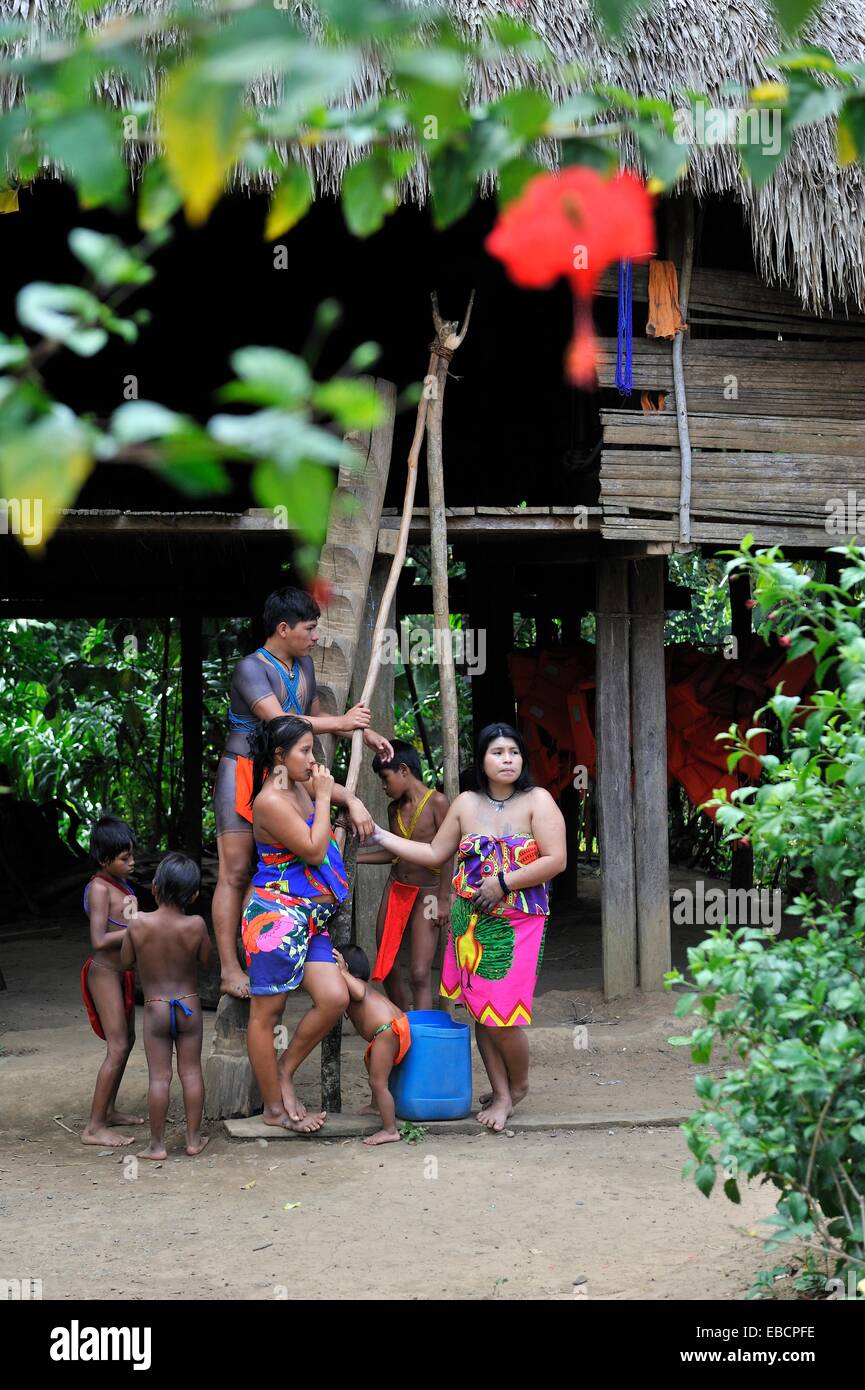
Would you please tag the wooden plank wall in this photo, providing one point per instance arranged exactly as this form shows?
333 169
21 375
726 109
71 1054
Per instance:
777 431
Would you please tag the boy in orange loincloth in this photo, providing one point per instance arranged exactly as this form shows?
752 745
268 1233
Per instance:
108 989
409 898
168 946
385 1028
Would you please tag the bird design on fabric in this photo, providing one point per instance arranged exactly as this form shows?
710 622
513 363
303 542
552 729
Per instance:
483 944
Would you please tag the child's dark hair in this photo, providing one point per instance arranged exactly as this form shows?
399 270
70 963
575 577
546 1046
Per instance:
486 736
282 732
357 961
290 606
177 880
110 837
403 753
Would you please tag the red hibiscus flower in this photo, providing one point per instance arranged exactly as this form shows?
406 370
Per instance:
574 224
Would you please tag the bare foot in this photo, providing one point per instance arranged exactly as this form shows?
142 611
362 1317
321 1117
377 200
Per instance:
485 1100
519 1093
155 1151
495 1116
115 1117
195 1143
296 1108
384 1136
235 983
371 1109
308 1125
103 1136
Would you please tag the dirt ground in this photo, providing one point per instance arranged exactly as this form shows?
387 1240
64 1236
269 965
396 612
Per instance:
460 1217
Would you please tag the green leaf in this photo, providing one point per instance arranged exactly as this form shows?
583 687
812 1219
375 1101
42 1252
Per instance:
201 126
685 1004
614 14
452 185
13 351
705 1178
731 1191
355 405
513 177
305 494
158 199
108 260
136 422
86 144
291 200
665 158
270 377
809 101
188 461
47 463
64 314
760 160
526 111
793 13
368 195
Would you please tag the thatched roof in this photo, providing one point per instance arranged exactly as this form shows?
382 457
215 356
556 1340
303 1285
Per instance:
807 225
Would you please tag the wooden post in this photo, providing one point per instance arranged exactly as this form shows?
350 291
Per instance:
191 711
448 338
615 811
679 374
649 730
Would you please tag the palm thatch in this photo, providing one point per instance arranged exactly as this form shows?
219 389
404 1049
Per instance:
807 224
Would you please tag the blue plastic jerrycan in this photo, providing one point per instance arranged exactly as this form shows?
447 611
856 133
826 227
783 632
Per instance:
434 1079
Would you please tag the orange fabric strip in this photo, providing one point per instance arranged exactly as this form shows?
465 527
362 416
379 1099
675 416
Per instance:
401 900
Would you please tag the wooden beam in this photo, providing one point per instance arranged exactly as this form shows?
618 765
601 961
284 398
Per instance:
191 715
615 809
649 734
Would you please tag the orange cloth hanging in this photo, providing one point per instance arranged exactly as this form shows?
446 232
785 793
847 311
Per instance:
665 316
400 901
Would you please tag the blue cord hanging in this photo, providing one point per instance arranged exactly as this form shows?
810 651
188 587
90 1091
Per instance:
625 355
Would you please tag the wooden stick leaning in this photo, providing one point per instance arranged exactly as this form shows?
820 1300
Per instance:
450 336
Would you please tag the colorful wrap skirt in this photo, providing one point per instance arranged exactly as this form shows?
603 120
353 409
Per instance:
280 934
492 961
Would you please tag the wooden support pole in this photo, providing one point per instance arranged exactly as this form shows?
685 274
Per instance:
679 375
615 810
191 714
649 732
449 336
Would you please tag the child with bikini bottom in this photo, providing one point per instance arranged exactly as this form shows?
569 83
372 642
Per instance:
415 903
168 946
108 989
387 1030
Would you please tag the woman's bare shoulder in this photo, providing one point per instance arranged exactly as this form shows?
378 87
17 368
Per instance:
541 800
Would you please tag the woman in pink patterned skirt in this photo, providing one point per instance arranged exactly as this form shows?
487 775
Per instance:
509 838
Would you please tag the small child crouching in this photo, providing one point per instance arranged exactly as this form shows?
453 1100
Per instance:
386 1029
168 946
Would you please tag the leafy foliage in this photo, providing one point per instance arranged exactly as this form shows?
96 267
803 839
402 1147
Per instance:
90 719
793 1011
